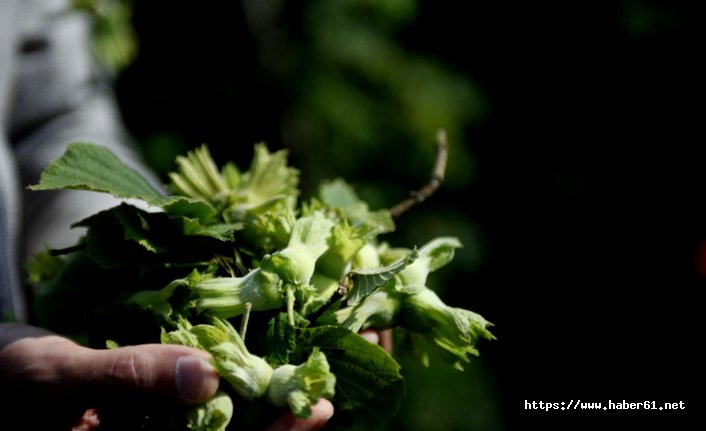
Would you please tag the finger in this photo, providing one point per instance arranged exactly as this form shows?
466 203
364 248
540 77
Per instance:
386 340
169 373
370 335
321 412
42 366
89 421
383 338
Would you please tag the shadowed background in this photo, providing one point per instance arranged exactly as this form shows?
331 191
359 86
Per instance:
574 181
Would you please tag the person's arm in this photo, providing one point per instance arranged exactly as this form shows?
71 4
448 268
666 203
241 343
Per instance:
49 382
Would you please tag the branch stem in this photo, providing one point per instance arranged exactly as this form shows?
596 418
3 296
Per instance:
437 177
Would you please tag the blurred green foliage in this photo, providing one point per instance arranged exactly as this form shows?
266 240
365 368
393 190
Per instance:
113 42
642 18
441 398
357 95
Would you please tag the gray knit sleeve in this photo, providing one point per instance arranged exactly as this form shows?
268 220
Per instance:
62 97
58 96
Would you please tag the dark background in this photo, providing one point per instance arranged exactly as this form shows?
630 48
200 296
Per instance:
578 196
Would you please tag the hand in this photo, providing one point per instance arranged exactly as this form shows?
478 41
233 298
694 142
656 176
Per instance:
53 383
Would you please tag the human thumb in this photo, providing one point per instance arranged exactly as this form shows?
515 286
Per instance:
35 364
169 373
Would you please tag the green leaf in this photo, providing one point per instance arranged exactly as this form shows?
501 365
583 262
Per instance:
281 340
82 299
366 281
43 266
369 385
181 206
128 234
86 166
338 194
109 242
219 231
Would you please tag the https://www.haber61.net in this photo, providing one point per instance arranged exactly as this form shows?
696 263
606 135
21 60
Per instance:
548 406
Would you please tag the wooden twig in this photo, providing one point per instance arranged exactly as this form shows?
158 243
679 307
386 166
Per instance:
437 177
